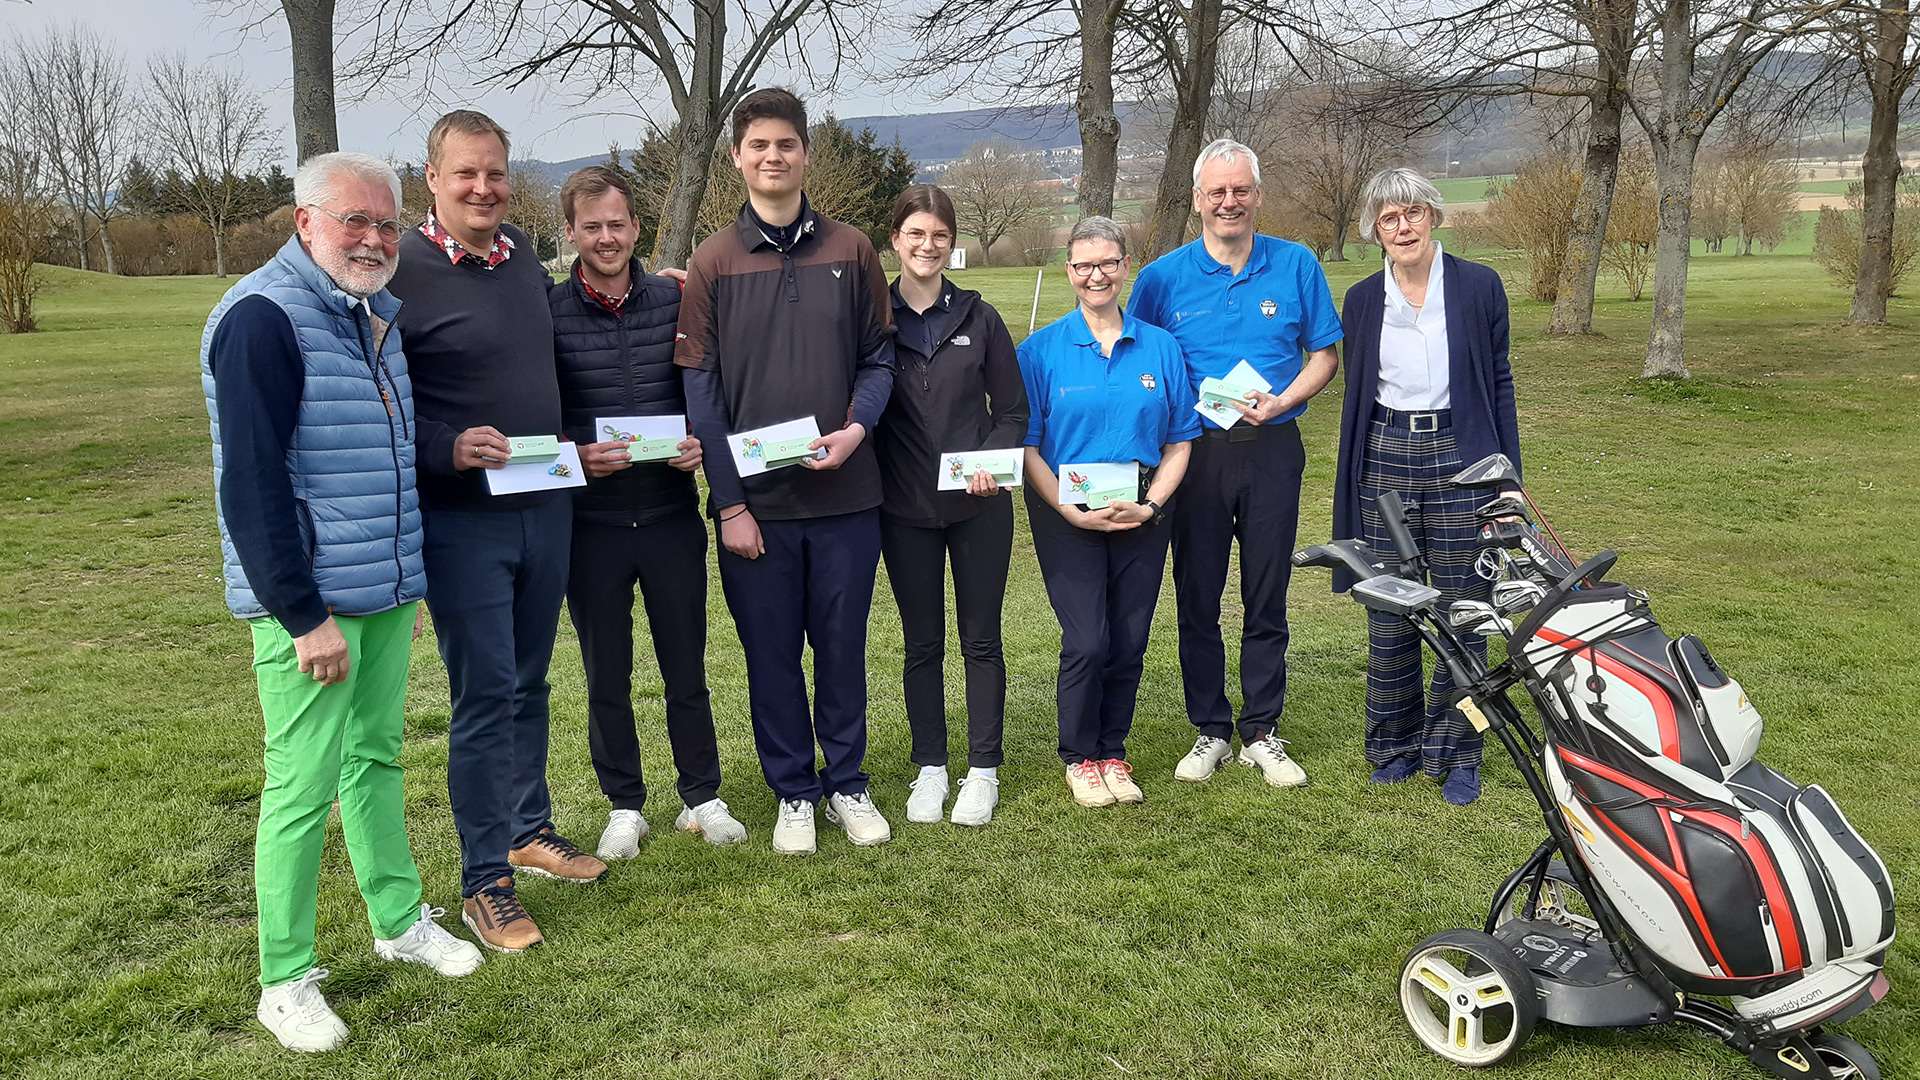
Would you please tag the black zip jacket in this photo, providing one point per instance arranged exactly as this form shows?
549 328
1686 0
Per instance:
967 396
620 365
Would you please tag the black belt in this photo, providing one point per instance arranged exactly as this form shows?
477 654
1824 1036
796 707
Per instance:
1245 432
1420 423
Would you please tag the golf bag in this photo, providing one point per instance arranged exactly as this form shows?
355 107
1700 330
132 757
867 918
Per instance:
1738 881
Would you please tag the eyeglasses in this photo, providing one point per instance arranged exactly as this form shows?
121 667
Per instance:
357 224
1107 267
914 238
1219 195
1412 215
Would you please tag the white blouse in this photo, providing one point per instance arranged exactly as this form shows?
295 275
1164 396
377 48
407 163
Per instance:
1413 346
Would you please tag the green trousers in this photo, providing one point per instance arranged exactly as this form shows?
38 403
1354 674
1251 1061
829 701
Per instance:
325 742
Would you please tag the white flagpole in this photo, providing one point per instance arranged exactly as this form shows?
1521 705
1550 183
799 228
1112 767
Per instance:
1036 299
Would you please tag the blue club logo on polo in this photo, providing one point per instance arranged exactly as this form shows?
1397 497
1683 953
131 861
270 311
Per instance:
1147 381
1269 308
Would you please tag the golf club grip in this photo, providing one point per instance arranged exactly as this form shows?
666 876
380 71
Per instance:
1393 513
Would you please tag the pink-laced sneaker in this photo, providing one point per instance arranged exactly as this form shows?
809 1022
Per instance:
1118 776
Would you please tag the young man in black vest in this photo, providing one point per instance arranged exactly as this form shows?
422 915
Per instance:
636 522
787 315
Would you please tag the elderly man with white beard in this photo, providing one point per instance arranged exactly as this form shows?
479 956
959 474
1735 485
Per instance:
313 458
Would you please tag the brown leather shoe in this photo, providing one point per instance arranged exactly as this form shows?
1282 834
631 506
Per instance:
495 916
551 855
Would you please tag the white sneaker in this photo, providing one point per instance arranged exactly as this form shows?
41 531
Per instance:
862 820
298 1015
1269 755
621 839
713 822
1201 761
793 828
929 795
426 943
979 794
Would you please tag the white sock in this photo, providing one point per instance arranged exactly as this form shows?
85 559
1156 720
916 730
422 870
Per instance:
933 770
991 772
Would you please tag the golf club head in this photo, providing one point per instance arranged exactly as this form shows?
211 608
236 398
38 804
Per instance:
1492 471
1516 595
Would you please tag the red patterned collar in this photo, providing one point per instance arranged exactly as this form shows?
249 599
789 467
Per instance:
457 252
611 303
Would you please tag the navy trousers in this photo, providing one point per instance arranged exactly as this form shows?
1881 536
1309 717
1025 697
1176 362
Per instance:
668 561
980 548
495 579
1401 720
1103 587
1242 484
812 587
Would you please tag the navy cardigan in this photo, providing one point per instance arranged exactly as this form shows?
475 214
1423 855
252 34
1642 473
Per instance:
1479 380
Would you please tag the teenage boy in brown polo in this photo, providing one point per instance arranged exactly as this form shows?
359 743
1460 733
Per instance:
786 315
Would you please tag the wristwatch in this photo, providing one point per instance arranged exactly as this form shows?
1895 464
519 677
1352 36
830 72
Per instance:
1159 515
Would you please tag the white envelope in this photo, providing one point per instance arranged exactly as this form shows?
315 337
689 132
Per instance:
648 438
1094 484
1242 376
752 449
957 467
562 472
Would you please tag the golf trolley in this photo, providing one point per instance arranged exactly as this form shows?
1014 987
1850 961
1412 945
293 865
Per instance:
1676 869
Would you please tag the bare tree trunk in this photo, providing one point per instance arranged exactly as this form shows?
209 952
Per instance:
1337 251
219 252
1099 124
1173 200
702 115
1673 167
1573 305
106 247
316 127
1888 78
79 212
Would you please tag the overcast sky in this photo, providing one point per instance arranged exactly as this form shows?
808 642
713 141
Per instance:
544 124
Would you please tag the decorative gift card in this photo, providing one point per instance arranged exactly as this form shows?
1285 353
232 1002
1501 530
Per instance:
531 448
562 470
775 446
648 438
1218 395
957 468
1096 484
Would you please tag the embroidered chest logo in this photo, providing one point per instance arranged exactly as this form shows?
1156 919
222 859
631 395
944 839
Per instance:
962 339
1147 381
1269 308
836 271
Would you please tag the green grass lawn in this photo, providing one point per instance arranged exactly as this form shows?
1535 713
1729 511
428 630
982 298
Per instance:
1224 930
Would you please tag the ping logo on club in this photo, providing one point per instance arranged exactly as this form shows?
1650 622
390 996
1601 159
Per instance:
1147 381
1269 308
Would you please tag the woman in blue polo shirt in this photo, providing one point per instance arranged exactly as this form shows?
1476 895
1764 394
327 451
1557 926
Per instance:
1106 389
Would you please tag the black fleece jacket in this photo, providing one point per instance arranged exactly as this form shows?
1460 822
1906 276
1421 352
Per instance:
968 395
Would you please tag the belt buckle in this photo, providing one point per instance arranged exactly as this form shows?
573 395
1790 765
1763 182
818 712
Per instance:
1423 423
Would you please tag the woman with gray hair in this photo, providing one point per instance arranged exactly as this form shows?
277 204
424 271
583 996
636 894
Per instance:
1112 413
1429 391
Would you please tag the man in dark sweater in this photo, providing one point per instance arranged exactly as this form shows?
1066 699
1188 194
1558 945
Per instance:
480 337
636 522
786 316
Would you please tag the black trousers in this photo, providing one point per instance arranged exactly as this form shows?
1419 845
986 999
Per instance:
1241 484
980 549
668 560
1103 587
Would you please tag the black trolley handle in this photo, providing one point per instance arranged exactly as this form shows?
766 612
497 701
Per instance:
1393 513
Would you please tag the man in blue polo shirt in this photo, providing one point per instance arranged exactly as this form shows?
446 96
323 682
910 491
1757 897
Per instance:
1232 296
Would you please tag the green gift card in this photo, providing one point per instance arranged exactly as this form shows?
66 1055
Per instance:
1098 500
1223 392
653 449
525 448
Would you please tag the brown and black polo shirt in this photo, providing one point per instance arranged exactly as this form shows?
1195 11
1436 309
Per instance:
786 331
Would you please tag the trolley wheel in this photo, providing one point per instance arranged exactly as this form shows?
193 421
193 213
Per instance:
1468 998
1561 902
1844 1058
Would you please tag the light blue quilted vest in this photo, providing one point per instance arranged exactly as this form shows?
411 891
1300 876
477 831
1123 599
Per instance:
352 457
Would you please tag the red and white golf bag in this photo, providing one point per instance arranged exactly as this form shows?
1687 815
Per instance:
1740 882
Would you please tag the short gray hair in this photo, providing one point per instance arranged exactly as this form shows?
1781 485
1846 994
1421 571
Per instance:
315 180
1398 187
1095 227
1226 150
